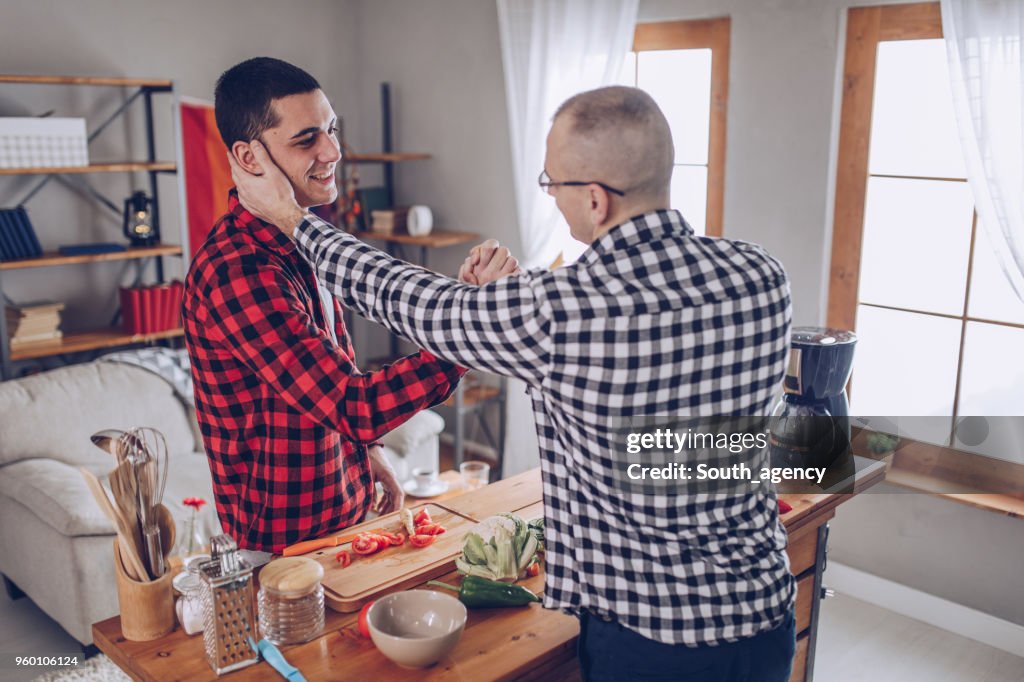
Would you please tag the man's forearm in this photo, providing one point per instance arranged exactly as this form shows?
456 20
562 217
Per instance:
501 328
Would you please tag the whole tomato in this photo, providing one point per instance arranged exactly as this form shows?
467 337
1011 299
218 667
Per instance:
364 625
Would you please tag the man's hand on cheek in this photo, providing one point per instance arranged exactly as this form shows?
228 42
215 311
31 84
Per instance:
268 196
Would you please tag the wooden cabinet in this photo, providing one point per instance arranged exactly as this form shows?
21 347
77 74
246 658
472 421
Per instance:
806 552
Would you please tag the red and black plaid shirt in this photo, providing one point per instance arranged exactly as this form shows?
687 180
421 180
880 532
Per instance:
284 411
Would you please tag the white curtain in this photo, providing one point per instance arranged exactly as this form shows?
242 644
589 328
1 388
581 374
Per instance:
551 50
983 41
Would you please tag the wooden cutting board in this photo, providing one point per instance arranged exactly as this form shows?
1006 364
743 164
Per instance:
395 568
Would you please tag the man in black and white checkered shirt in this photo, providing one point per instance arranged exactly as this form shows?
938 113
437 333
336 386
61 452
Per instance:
651 320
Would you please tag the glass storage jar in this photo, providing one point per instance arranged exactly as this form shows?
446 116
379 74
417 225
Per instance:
291 600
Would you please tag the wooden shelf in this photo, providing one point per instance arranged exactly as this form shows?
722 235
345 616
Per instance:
385 157
54 258
86 80
74 343
1002 504
112 167
436 239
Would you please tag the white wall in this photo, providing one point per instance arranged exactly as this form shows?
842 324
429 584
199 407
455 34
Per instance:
443 61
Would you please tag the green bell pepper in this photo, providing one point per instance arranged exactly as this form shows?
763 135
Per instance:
480 593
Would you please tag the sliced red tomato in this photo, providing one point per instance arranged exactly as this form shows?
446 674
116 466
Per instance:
422 516
343 558
430 529
394 539
365 543
364 624
422 540
533 569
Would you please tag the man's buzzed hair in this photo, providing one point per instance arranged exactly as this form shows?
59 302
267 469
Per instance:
620 137
244 94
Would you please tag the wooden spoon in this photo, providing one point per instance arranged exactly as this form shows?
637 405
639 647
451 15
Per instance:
168 529
100 495
122 484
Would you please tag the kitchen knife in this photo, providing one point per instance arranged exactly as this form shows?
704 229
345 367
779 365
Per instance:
307 546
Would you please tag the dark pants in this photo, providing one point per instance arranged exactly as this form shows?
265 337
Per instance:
611 652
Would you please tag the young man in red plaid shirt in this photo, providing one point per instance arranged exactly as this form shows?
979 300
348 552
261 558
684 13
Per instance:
288 419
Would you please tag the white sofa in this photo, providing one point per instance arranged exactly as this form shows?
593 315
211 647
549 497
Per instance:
55 543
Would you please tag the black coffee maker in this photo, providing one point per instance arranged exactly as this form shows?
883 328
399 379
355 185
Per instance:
810 426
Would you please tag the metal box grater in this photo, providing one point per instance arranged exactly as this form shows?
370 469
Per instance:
229 609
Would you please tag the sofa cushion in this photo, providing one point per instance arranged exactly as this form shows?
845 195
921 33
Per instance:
57 494
51 415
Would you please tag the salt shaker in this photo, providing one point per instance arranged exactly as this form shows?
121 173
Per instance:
291 600
228 607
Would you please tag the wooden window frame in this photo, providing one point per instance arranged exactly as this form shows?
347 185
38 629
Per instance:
921 466
710 34
866 27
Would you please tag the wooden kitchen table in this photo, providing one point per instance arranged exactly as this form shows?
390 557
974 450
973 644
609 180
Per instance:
498 644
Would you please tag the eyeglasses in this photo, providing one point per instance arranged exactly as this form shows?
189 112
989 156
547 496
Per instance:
546 183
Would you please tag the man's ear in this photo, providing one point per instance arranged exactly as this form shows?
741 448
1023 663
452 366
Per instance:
244 156
599 205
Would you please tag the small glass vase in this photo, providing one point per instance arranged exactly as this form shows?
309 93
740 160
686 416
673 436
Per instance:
190 538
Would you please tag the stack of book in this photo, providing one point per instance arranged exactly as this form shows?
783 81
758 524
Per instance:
388 221
33 323
17 237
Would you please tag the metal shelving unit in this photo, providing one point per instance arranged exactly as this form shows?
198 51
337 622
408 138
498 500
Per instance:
107 336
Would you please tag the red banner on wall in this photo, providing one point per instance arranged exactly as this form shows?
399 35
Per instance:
207 172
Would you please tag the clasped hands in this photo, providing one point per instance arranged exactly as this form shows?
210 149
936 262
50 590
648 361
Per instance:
269 196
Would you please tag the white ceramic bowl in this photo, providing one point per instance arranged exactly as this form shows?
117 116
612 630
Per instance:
416 629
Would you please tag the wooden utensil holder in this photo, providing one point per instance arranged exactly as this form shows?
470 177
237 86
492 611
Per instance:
147 608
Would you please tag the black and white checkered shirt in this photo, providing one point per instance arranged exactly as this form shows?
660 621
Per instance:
651 320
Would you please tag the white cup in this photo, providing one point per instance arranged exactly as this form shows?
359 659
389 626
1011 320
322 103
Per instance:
424 477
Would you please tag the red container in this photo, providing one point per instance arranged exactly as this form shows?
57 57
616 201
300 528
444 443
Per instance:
131 310
148 310
151 309
162 303
177 294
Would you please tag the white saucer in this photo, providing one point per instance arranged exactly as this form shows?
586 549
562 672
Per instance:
413 490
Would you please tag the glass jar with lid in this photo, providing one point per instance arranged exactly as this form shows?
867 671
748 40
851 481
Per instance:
291 600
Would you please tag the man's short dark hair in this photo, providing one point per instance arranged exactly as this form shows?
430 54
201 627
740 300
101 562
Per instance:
243 95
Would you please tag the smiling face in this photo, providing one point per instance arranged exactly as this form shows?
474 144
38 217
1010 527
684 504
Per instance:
304 145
